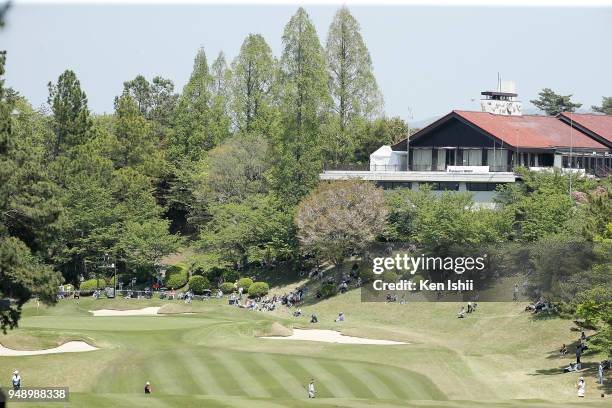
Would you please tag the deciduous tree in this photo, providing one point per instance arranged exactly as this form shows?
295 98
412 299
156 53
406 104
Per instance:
340 218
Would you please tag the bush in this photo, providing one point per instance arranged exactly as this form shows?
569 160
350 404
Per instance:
227 287
198 269
231 276
214 274
258 289
389 276
328 289
245 283
90 284
198 284
367 275
176 276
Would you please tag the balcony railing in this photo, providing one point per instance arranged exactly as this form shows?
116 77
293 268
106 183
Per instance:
346 167
387 167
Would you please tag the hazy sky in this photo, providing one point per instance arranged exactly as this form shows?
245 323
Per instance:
426 59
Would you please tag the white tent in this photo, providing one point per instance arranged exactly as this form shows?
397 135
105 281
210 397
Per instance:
385 159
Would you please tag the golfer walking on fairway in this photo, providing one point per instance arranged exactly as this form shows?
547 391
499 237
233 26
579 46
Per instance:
16 380
311 389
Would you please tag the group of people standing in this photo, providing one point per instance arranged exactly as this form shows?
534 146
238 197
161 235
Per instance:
580 347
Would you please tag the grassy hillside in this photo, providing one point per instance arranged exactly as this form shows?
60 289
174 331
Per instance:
213 358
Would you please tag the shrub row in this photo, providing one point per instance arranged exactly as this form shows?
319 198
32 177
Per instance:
176 276
198 284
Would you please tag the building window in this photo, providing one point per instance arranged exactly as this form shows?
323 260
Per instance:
481 186
441 156
565 162
421 159
390 185
445 186
498 159
472 157
450 157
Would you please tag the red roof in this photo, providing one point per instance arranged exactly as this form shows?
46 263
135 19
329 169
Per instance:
530 131
598 124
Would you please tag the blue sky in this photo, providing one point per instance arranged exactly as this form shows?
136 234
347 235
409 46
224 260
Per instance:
427 60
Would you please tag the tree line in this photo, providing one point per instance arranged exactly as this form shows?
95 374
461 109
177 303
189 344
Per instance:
220 165
228 165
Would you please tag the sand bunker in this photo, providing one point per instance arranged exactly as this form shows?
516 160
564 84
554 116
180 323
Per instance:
331 336
69 347
147 311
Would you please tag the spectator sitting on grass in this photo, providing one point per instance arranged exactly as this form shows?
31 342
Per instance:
571 367
461 313
340 317
313 318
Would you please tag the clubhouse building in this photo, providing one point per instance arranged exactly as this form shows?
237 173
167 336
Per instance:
476 151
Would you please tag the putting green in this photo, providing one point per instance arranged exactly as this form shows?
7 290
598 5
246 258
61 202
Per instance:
212 358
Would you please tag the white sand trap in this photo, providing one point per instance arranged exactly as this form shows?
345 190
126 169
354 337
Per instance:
69 347
331 336
147 311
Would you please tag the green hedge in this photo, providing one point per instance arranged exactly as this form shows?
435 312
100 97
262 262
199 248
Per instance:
258 289
367 275
176 276
328 289
227 287
198 284
90 284
245 283
214 274
389 276
231 276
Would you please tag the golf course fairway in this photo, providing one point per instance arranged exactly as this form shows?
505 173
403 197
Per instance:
499 356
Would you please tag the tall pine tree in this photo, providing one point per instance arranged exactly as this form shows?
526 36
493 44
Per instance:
351 77
253 78
356 97
71 121
28 210
304 100
201 121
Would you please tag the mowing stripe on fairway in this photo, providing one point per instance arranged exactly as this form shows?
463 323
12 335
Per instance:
294 384
381 389
301 374
397 387
206 383
242 371
150 401
169 383
271 379
216 364
358 388
323 375
188 383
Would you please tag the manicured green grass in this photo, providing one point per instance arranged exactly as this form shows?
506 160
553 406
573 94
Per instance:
213 359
